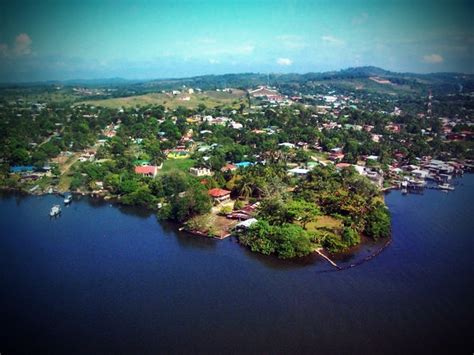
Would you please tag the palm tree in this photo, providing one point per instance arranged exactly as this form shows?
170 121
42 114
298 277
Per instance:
245 186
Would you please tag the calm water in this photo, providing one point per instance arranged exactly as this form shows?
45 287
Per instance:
103 279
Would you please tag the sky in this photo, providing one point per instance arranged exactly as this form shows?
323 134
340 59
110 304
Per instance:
72 39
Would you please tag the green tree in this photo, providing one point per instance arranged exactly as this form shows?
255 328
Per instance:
378 222
303 211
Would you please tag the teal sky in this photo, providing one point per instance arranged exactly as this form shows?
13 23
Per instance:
45 40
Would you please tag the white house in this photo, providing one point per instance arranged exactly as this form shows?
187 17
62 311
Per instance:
201 172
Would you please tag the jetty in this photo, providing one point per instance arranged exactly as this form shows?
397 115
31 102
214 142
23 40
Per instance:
319 251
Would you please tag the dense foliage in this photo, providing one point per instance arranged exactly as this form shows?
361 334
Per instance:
329 206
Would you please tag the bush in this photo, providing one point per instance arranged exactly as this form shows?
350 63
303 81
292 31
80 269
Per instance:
350 237
225 210
286 241
239 204
199 223
332 242
378 222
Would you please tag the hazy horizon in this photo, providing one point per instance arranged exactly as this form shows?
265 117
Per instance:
142 40
118 78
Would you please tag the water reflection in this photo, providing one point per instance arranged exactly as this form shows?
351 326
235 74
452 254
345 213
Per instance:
188 240
273 262
135 211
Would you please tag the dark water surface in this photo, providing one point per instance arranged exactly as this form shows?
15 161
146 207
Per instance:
102 279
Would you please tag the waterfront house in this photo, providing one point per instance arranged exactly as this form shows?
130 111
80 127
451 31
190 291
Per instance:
245 224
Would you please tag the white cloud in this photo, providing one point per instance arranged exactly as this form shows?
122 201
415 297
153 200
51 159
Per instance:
284 61
360 19
333 40
214 61
21 47
433 59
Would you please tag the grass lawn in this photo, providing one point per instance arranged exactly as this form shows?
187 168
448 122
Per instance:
324 222
64 182
208 98
319 155
180 164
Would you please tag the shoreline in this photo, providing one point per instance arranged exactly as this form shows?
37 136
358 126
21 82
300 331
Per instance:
328 257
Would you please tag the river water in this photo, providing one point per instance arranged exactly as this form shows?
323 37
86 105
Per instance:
108 279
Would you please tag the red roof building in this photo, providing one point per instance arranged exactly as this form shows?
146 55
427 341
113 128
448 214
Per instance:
229 167
146 170
219 195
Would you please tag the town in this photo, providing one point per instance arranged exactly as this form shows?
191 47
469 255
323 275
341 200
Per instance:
292 166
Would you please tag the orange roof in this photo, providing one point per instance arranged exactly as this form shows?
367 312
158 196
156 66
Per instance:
229 167
146 169
216 192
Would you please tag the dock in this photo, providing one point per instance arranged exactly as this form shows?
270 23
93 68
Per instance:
319 251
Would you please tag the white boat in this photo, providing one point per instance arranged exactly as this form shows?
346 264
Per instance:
67 199
446 187
55 211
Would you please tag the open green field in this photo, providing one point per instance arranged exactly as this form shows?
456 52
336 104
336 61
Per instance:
324 222
179 164
208 98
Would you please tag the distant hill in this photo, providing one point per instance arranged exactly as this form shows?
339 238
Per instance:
367 77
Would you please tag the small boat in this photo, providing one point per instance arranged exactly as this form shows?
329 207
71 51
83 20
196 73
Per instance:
55 211
67 199
446 187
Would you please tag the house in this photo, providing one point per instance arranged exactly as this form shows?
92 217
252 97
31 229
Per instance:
298 171
394 128
236 125
245 224
330 99
303 145
228 167
200 172
146 170
420 174
376 137
219 195
335 156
